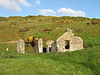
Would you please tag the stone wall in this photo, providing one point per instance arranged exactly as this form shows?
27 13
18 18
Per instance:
40 45
21 46
74 42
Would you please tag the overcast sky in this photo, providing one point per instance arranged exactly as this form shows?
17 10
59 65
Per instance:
84 8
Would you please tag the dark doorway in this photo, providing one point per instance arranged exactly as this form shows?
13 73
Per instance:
44 49
49 49
67 44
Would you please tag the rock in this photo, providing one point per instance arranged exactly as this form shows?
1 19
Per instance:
21 46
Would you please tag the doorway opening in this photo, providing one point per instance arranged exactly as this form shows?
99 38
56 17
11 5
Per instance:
44 49
67 44
50 49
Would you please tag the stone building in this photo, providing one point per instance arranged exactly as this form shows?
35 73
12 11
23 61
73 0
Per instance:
66 42
69 42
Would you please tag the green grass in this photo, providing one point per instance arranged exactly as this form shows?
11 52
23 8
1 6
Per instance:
82 62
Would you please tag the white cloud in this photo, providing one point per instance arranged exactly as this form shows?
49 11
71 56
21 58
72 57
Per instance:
71 12
46 11
14 5
62 12
24 3
38 2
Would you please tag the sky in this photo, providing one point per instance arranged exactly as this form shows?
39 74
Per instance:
82 8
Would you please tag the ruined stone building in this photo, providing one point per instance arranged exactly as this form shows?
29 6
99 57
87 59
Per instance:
69 42
66 42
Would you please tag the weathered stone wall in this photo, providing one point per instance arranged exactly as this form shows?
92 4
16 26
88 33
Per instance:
75 43
61 41
21 46
49 45
54 46
40 45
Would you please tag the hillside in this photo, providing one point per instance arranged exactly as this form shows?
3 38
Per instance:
84 62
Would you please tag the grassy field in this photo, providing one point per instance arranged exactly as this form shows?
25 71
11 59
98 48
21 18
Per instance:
83 62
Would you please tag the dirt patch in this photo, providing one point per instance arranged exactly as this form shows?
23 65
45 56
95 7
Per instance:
9 42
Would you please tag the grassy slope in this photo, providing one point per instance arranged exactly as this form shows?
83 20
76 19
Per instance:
84 62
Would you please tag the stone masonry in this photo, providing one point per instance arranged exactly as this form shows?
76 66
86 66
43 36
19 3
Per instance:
21 46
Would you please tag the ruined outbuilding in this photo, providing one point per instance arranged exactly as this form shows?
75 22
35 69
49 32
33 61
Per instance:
67 42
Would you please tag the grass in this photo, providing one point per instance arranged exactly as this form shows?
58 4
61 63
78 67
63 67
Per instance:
82 62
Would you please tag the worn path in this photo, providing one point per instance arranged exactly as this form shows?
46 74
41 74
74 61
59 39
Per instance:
9 42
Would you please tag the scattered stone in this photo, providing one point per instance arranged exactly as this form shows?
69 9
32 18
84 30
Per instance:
23 30
69 30
47 30
88 23
7 49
